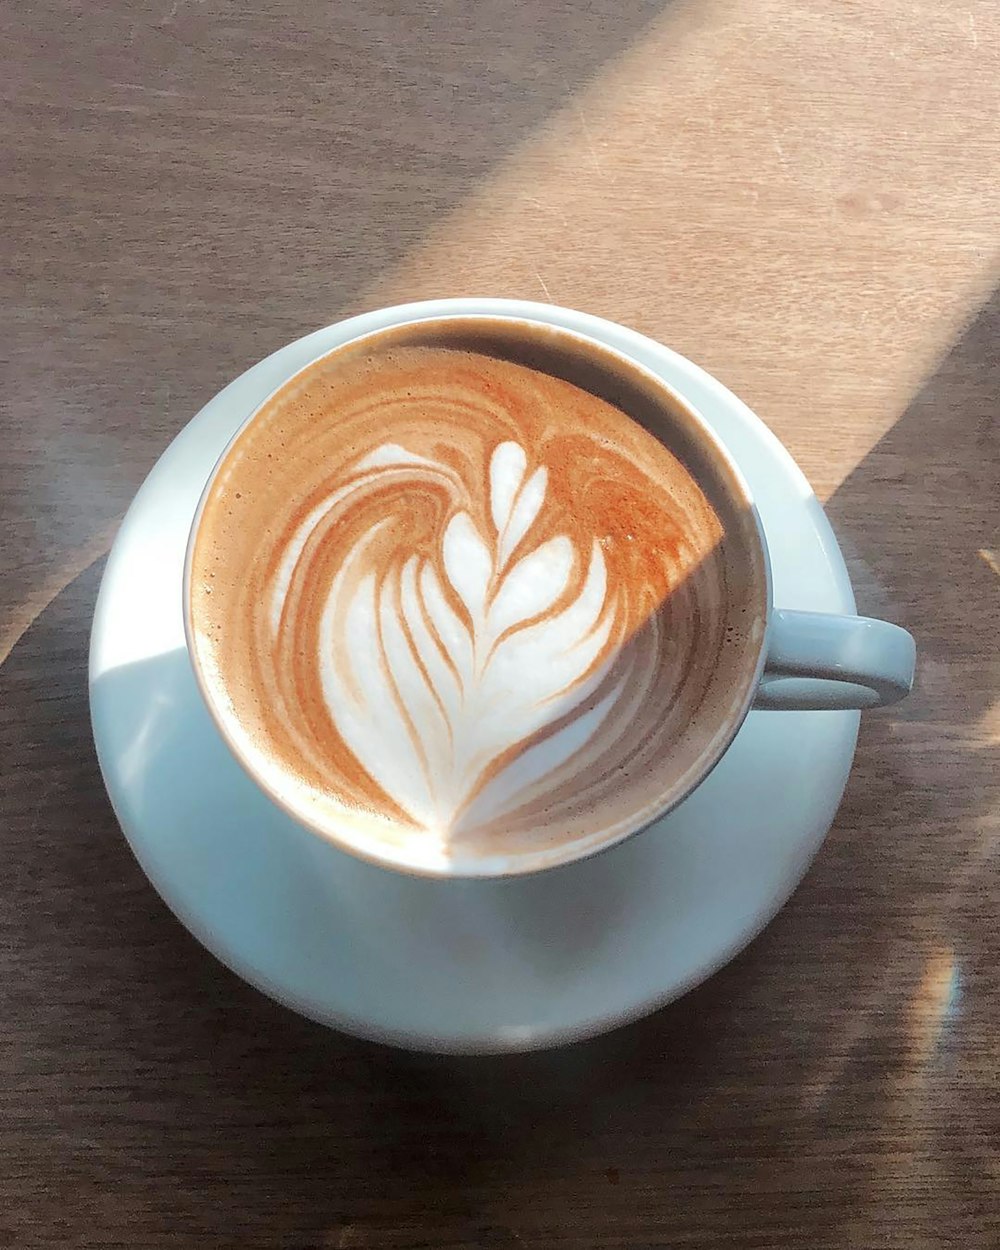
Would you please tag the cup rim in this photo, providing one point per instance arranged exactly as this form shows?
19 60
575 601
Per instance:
530 862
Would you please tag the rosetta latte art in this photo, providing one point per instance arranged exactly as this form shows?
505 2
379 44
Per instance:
442 595
437 703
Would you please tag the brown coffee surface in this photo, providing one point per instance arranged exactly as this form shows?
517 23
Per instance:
441 596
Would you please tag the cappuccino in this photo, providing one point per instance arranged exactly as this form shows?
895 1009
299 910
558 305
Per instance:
464 589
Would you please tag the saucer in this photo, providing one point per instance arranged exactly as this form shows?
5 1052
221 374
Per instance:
441 965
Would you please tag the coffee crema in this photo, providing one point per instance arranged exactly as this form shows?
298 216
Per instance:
441 596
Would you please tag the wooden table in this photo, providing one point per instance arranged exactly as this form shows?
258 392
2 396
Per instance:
800 195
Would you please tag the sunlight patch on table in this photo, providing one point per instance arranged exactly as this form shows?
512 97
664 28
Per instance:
794 204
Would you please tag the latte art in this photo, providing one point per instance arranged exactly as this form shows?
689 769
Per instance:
444 598
439 667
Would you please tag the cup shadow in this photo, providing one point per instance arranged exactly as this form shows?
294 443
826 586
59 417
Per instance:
886 963
920 531
176 777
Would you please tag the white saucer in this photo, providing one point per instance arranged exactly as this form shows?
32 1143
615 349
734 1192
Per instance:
455 965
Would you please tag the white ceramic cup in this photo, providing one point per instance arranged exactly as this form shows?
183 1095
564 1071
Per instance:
803 661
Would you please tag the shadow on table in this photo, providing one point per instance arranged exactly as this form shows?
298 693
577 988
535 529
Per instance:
851 1049
191 184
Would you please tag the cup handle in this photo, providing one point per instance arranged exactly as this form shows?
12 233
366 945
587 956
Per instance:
819 660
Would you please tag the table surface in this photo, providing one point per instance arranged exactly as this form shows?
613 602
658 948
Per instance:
802 197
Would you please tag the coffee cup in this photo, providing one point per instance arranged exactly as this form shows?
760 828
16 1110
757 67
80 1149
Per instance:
478 596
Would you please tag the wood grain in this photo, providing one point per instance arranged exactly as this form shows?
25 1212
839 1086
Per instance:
799 195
